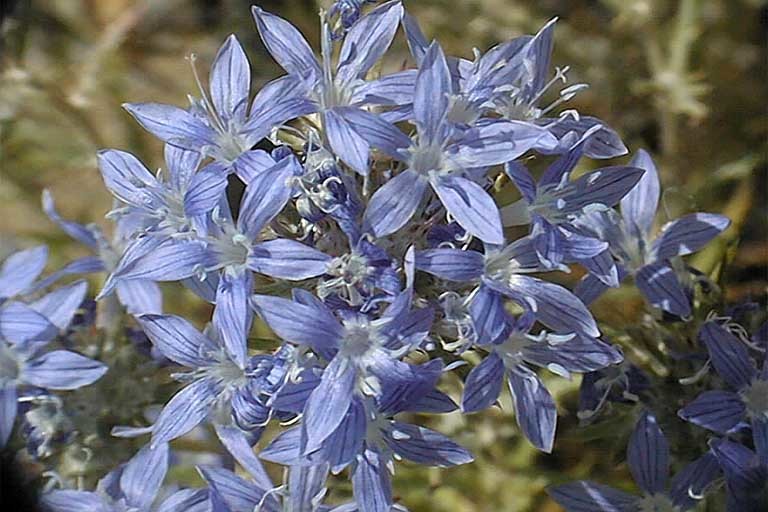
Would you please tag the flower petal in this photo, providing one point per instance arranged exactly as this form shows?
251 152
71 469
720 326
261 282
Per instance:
186 410
172 124
534 408
230 79
660 286
483 384
688 234
728 354
21 269
286 44
328 403
62 369
392 205
143 475
175 338
648 455
719 411
8 408
472 207
591 497
430 99
638 207
451 264
299 323
424 446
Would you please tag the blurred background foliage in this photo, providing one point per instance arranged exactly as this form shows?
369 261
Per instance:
685 79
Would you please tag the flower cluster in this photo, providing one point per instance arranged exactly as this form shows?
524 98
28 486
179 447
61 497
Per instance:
369 241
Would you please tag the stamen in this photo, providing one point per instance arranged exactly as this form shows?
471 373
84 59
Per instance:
212 114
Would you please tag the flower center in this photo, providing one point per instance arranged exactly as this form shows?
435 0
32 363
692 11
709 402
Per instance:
360 338
511 351
427 157
9 363
461 110
656 503
350 273
755 397
230 146
231 249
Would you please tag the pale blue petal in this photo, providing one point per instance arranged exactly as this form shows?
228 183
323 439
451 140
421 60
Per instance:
483 384
230 80
143 475
172 124
266 195
367 40
21 269
205 189
638 208
62 369
20 322
345 142
176 339
299 323
236 492
187 409
233 316
371 484
376 131
451 264
392 205
8 408
60 306
328 403
286 44
75 230
287 259
472 207
140 296
74 501
127 178
430 100
236 444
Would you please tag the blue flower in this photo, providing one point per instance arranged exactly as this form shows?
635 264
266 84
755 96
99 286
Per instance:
723 411
648 457
553 205
637 254
132 486
511 355
221 125
360 278
362 353
139 296
339 95
745 476
501 272
440 156
369 439
225 253
219 383
162 206
25 330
